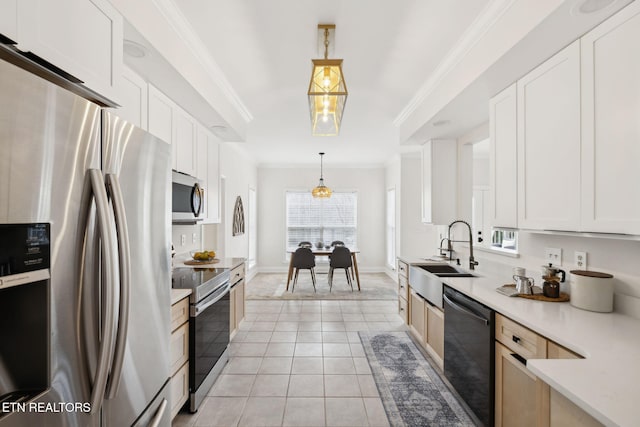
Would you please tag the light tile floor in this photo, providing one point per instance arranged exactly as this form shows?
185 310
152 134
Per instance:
299 363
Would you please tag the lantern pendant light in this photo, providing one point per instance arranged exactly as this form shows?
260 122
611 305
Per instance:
327 91
321 191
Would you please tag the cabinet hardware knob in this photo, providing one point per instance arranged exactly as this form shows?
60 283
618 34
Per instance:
516 339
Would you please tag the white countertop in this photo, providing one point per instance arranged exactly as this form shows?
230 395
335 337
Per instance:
223 263
178 294
606 383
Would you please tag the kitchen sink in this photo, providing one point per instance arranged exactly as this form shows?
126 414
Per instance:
445 270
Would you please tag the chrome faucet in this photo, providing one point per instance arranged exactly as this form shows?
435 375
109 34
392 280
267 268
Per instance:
472 261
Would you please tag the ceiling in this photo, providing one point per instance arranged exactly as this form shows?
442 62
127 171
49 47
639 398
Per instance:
390 48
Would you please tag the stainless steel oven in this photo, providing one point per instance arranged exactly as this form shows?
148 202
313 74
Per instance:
209 327
187 198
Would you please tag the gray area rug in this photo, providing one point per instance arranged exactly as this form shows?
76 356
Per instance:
412 392
374 286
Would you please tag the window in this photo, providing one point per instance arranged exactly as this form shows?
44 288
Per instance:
505 240
391 228
322 220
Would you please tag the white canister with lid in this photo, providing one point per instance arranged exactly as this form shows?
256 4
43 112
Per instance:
591 290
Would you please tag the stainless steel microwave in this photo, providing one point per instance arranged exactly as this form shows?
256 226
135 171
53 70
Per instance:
187 198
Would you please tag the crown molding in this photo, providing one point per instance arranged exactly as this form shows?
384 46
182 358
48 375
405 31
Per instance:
186 32
485 20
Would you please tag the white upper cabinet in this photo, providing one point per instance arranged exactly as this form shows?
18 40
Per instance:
160 116
132 92
9 19
184 141
503 158
611 125
548 124
81 37
213 180
439 171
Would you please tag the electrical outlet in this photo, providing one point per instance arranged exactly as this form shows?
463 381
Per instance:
580 259
194 237
553 255
183 239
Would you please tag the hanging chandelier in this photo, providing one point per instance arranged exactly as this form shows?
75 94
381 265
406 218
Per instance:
321 191
327 90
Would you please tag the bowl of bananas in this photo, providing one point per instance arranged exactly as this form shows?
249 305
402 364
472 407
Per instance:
203 256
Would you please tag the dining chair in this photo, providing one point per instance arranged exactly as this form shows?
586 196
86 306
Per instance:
304 259
340 258
305 244
337 243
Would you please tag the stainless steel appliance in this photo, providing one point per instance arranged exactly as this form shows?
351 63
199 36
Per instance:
427 285
102 186
187 198
209 326
469 352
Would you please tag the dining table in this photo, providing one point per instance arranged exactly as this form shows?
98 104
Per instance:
325 252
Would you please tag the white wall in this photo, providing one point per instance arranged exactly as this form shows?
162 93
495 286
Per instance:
188 231
393 180
368 182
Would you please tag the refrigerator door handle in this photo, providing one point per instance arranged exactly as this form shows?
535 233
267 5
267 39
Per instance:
155 422
110 271
122 232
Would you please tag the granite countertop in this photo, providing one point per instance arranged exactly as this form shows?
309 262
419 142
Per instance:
606 383
178 294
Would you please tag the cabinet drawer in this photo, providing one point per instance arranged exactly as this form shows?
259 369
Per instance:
403 288
179 313
519 339
402 310
179 347
179 389
403 268
237 274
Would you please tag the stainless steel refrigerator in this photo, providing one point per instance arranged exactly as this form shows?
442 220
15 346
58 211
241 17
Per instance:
103 185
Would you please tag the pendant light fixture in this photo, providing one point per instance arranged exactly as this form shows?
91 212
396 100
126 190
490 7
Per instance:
321 191
327 90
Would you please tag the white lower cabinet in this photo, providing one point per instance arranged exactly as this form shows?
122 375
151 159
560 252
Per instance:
81 37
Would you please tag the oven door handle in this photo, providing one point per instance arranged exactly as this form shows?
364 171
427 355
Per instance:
464 310
210 300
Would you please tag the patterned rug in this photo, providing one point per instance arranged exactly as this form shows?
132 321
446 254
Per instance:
411 390
374 286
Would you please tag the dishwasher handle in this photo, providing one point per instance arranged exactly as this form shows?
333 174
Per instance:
464 310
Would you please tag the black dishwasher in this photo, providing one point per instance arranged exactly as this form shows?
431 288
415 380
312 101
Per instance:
469 352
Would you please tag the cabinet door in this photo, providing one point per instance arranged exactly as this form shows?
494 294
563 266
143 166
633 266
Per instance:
160 117
233 295
9 19
564 412
213 177
521 398
435 334
610 131
202 160
239 303
439 171
417 316
503 159
82 37
549 144
132 93
185 140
